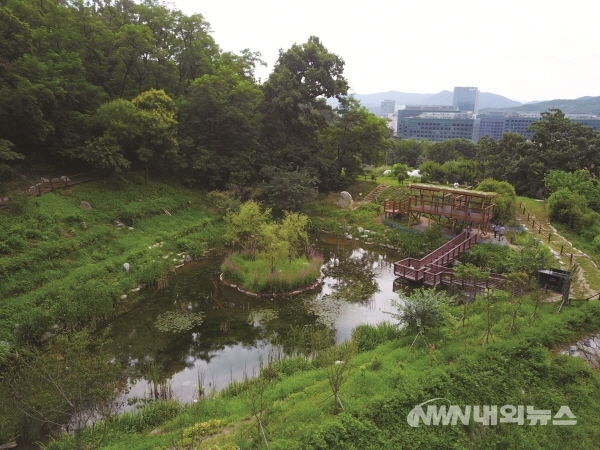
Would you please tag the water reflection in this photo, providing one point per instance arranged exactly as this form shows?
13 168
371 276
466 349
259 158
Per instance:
238 331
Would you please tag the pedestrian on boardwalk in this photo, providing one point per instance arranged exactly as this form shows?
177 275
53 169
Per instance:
469 230
501 232
495 230
436 203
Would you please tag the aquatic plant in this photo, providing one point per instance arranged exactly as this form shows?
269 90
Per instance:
177 321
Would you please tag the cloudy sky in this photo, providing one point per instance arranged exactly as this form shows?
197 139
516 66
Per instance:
525 50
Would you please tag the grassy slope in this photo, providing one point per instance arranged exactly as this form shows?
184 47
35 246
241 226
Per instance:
574 245
385 383
387 379
66 274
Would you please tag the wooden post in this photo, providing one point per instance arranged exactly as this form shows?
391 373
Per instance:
540 232
39 186
571 259
549 236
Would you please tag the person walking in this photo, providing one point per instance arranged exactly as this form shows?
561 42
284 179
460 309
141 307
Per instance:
495 230
501 232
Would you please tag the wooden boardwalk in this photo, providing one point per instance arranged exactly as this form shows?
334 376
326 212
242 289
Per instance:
414 269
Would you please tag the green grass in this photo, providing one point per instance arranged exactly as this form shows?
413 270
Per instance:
387 379
256 276
67 274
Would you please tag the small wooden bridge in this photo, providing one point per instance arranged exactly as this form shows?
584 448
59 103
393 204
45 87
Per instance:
431 270
414 269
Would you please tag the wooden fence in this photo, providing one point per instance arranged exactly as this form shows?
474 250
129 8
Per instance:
535 226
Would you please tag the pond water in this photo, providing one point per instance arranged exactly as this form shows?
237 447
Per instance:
238 331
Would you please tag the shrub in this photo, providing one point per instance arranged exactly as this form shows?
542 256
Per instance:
367 337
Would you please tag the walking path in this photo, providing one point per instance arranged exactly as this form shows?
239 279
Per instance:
564 251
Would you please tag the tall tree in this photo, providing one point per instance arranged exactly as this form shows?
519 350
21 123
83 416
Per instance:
356 137
294 105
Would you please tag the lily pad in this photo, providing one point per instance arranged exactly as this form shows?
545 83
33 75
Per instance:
177 321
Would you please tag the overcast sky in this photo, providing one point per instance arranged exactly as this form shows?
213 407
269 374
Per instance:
523 49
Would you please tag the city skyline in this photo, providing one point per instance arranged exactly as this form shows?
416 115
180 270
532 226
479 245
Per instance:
525 51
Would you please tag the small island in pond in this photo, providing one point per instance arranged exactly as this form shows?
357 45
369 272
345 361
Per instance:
271 257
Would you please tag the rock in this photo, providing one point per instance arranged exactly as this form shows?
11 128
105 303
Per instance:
364 236
597 341
46 336
360 229
591 343
387 172
573 348
349 236
123 297
187 259
345 201
85 205
44 180
126 266
119 224
131 228
135 289
576 354
83 226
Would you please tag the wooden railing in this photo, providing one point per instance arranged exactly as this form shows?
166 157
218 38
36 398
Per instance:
413 269
392 208
435 275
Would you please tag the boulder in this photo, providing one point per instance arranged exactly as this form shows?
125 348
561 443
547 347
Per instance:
345 201
85 205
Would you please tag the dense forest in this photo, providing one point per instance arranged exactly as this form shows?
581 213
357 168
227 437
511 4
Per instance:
114 86
111 86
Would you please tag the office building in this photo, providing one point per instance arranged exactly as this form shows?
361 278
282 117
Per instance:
438 127
388 107
495 124
466 98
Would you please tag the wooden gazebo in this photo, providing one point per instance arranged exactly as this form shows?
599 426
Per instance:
457 205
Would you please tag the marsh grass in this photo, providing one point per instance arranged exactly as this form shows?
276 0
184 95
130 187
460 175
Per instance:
256 276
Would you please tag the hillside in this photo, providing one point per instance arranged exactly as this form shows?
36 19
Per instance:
486 99
590 105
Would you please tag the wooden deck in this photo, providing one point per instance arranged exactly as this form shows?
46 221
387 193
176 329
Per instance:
457 205
414 269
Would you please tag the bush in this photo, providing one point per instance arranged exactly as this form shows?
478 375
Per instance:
567 207
367 337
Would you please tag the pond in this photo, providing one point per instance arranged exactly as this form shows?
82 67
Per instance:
239 331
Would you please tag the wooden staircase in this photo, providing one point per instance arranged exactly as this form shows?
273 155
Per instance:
375 193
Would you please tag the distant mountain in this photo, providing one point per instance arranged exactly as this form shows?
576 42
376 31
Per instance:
402 98
486 99
590 105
